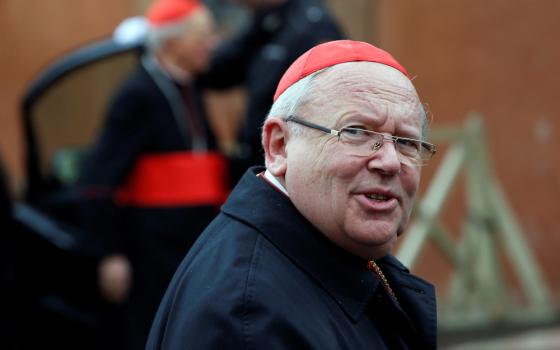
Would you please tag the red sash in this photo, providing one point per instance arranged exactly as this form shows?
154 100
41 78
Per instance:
176 179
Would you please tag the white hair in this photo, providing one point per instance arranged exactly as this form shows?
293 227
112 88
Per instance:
289 102
157 35
293 98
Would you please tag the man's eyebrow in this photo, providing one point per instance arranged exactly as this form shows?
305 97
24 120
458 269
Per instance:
351 117
409 131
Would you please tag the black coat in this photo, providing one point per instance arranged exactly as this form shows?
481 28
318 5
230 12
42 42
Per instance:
258 56
262 277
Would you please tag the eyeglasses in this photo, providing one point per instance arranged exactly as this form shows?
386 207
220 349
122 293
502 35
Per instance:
361 142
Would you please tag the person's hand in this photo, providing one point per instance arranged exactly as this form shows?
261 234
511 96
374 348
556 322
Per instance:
115 278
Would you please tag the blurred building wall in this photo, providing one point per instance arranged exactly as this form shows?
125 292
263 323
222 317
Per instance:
498 58
35 33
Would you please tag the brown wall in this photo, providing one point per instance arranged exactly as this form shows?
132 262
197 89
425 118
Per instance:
34 34
499 58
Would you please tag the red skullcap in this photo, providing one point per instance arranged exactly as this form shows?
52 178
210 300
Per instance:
332 53
163 12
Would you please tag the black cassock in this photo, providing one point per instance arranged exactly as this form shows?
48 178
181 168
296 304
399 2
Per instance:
146 185
262 277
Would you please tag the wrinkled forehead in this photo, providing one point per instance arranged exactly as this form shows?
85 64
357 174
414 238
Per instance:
359 76
368 87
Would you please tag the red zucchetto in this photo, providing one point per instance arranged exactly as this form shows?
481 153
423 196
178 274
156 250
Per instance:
332 53
164 12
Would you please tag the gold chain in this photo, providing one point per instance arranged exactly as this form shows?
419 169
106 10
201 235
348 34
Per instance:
373 267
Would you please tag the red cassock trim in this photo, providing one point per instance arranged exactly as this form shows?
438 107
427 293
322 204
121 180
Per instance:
176 179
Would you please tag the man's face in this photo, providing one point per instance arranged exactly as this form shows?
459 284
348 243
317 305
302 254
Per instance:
359 203
193 49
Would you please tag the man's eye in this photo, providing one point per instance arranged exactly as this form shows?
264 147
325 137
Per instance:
357 126
409 144
355 129
355 135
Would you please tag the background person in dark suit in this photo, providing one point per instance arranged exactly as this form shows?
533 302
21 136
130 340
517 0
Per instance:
256 57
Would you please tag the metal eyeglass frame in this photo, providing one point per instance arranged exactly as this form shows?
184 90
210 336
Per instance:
430 149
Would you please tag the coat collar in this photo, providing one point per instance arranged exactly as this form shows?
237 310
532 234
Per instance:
417 296
344 276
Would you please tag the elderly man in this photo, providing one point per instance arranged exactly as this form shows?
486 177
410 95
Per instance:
153 180
300 256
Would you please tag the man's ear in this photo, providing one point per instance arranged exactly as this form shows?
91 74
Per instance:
275 139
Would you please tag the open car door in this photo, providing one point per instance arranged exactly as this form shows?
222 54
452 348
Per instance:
62 112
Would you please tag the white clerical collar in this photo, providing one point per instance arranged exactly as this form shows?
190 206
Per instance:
274 182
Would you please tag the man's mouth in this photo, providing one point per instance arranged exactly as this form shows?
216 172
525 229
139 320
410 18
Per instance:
377 197
381 200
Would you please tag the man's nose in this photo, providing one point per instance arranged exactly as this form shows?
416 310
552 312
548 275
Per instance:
386 159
